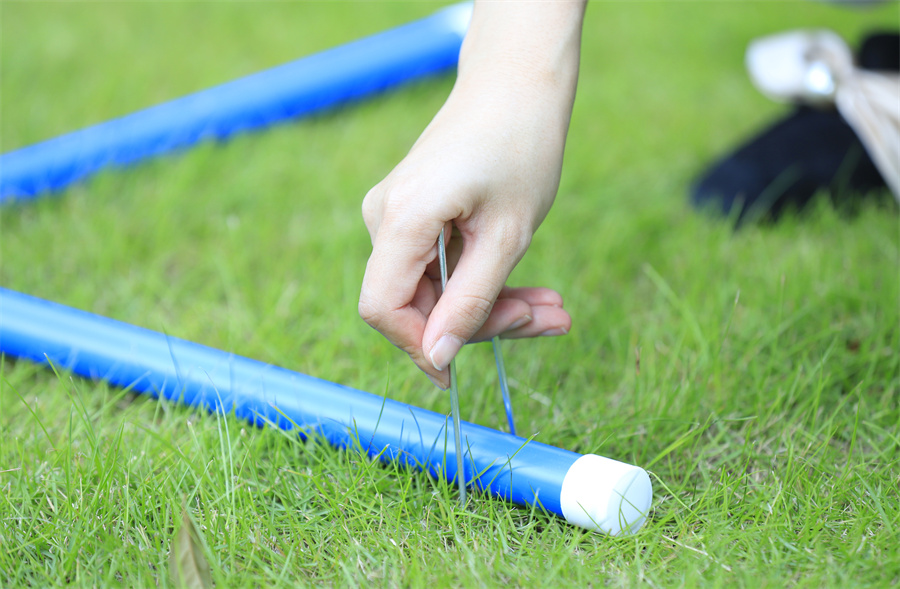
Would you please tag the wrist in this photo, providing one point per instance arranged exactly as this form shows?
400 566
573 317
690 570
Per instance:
530 44
523 57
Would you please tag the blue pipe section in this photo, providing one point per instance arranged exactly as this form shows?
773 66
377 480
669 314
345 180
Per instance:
149 362
292 90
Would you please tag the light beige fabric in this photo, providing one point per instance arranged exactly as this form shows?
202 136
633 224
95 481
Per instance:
816 67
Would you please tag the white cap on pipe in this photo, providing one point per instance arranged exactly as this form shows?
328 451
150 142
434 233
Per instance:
458 17
606 495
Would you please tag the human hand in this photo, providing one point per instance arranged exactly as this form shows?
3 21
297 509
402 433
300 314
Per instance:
487 167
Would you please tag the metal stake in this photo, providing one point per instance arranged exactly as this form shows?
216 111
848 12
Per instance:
504 387
454 393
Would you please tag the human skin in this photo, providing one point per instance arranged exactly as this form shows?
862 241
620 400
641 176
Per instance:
487 169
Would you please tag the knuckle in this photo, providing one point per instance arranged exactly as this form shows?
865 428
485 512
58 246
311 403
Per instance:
510 233
394 203
472 311
520 244
370 312
514 240
396 199
371 206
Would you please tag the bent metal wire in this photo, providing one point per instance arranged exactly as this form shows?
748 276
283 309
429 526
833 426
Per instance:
454 392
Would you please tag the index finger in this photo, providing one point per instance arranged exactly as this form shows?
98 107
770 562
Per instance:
396 294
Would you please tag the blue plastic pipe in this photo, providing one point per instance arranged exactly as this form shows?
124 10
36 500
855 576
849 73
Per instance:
295 89
589 491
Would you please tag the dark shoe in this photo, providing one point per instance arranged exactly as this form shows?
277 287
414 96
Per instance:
809 151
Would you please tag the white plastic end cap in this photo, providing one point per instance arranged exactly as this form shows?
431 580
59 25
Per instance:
458 17
606 495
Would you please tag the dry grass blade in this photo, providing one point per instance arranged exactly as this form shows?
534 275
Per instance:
188 568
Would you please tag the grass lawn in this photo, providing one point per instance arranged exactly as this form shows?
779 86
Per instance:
756 374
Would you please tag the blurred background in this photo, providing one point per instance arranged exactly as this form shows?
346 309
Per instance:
259 240
754 373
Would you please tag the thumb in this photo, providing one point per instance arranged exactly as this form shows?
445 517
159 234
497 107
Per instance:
471 292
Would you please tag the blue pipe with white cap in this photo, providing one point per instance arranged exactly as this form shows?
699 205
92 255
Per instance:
590 491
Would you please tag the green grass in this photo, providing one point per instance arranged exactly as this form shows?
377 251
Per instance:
755 374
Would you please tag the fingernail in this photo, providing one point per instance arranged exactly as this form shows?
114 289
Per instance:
519 323
436 382
557 331
445 350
